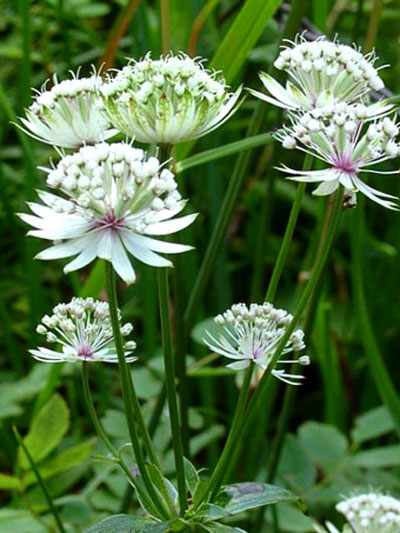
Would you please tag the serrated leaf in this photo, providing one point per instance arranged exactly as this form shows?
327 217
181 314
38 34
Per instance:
191 475
122 524
242 496
47 430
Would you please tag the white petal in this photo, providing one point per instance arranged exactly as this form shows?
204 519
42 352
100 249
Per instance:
326 187
121 262
65 249
170 226
143 254
239 365
161 246
85 257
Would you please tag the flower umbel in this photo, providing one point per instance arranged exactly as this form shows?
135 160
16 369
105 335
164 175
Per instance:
251 334
320 72
82 329
349 141
169 100
371 513
111 199
70 114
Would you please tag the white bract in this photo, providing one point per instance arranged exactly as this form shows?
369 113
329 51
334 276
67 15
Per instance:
169 100
82 329
320 72
252 334
329 528
371 513
112 200
350 140
70 114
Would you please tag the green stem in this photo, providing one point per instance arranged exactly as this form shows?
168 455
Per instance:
171 386
375 360
333 216
42 484
217 477
287 238
132 407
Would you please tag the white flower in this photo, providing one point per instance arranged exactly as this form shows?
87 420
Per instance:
252 334
83 330
371 513
70 114
329 528
320 72
112 199
348 139
169 100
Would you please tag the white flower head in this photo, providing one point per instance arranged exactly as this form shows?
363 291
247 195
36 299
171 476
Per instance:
169 100
320 72
350 139
371 513
110 200
252 334
82 329
70 114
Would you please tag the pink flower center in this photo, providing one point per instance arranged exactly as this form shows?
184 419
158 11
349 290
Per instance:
257 351
85 351
346 165
111 221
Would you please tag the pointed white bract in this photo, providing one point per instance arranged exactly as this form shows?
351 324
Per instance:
169 100
82 331
329 528
320 72
252 334
371 513
350 139
70 114
110 200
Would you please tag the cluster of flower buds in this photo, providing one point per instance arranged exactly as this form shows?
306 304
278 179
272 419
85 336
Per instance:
169 100
70 114
252 334
331 117
371 513
82 329
113 196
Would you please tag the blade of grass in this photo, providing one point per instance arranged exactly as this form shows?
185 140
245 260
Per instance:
198 24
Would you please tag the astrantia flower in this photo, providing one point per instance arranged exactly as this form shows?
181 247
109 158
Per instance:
252 334
169 100
344 137
111 199
70 114
320 72
371 513
82 330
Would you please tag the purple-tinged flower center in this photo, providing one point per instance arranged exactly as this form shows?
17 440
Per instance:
85 351
345 164
257 351
111 221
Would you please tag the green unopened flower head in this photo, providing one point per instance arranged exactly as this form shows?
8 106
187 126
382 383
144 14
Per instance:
169 100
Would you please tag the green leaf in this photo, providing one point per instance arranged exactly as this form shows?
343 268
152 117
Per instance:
123 524
165 488
47 430
200 491
323 444
17 521
191 475
216 527
242 496
243 35
384 457
62 462
210 511
372 424
9 482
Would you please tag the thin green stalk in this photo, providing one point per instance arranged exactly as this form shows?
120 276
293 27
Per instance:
219 472
287 238
171 386
132 408
375 360
165 26
333 216
42 484
373 25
